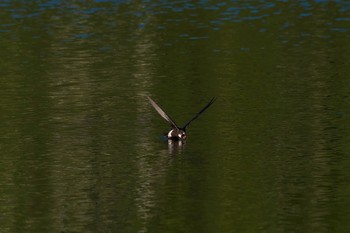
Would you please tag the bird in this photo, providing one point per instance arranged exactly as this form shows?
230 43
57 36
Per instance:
178 133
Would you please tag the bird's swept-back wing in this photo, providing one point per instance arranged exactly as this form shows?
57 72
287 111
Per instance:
201 111
162 113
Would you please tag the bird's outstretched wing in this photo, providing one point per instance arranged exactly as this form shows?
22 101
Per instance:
200 112
162 113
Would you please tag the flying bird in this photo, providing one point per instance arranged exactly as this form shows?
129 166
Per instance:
178 133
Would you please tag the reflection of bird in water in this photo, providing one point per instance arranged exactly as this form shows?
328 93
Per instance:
178 133
176 146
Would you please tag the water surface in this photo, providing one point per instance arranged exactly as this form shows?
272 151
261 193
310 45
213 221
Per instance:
81 146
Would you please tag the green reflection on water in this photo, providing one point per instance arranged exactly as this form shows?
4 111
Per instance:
80 144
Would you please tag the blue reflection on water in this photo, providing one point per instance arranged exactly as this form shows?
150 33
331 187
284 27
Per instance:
342 19
340 29
305 14
82 36
217 15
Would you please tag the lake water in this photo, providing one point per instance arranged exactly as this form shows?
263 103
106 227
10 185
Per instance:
81 147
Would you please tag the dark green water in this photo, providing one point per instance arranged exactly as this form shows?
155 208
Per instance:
80 144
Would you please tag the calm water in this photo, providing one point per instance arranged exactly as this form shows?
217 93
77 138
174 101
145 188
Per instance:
81 147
